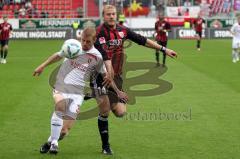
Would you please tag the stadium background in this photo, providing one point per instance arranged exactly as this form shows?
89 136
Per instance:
197 118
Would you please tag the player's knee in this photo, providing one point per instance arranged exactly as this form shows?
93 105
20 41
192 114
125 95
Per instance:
119 111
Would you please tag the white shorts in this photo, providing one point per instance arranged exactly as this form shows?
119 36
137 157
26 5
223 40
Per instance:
236 44
73 102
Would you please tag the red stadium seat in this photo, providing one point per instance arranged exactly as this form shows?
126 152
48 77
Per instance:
39 2
11 7
45 2
34 2
61 7
50 7
51 2
39 7
67 7
5 7
17 6
56 7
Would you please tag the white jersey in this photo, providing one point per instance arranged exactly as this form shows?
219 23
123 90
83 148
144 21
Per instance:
74 73
236 30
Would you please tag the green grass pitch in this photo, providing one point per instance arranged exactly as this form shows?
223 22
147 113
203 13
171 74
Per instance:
205 86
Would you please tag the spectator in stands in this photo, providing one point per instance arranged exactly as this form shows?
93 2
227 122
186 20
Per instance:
34 12
80 12
22 12
7 2
186 13
160 5
28 5
44 14
17 1
187 3
1 5
171 3
16 13
179 10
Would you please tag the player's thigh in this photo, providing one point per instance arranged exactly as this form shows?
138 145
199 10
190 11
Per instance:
5 44
198 35
103 104
163 43
236 44
69 104
59 100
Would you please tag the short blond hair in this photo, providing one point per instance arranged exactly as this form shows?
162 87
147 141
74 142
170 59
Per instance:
89 32
106 7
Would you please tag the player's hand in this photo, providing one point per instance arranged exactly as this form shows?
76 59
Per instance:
38 71
107 80
123 96
171 53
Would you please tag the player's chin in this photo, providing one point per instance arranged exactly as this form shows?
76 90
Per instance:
111 23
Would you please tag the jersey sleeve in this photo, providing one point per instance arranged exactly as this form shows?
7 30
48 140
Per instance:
156 26
137 38
61 53
101 68
233 28
168 26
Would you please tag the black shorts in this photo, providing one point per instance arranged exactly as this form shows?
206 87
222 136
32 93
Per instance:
4 42
98 89
199 33
163 43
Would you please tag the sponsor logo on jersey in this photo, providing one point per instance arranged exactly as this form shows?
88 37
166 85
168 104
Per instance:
102 40
121 34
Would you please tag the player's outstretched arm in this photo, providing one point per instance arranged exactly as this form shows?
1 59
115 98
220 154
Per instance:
154 45
52 59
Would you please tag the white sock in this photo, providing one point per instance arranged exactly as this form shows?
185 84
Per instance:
49 139
237 55
234 55
56 127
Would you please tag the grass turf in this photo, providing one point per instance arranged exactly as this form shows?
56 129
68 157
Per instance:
205 87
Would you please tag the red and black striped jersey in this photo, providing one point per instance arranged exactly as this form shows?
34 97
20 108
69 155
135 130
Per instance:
110 42
5 29
198 24
161 28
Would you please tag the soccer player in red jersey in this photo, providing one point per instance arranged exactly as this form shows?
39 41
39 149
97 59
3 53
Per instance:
110 42
198 26
161 29
5 32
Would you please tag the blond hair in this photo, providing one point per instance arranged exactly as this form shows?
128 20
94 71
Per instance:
89 32
106 7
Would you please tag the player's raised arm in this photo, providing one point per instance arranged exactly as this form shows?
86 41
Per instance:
141 40
154 45
52 59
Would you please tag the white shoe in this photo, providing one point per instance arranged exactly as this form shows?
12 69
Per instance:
237 59
54 148
1 60
4 61
199 49
234 60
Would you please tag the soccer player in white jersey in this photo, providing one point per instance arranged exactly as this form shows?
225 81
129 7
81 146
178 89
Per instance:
235 30
68 91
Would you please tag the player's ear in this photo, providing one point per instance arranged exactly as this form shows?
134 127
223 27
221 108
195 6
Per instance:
94 39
